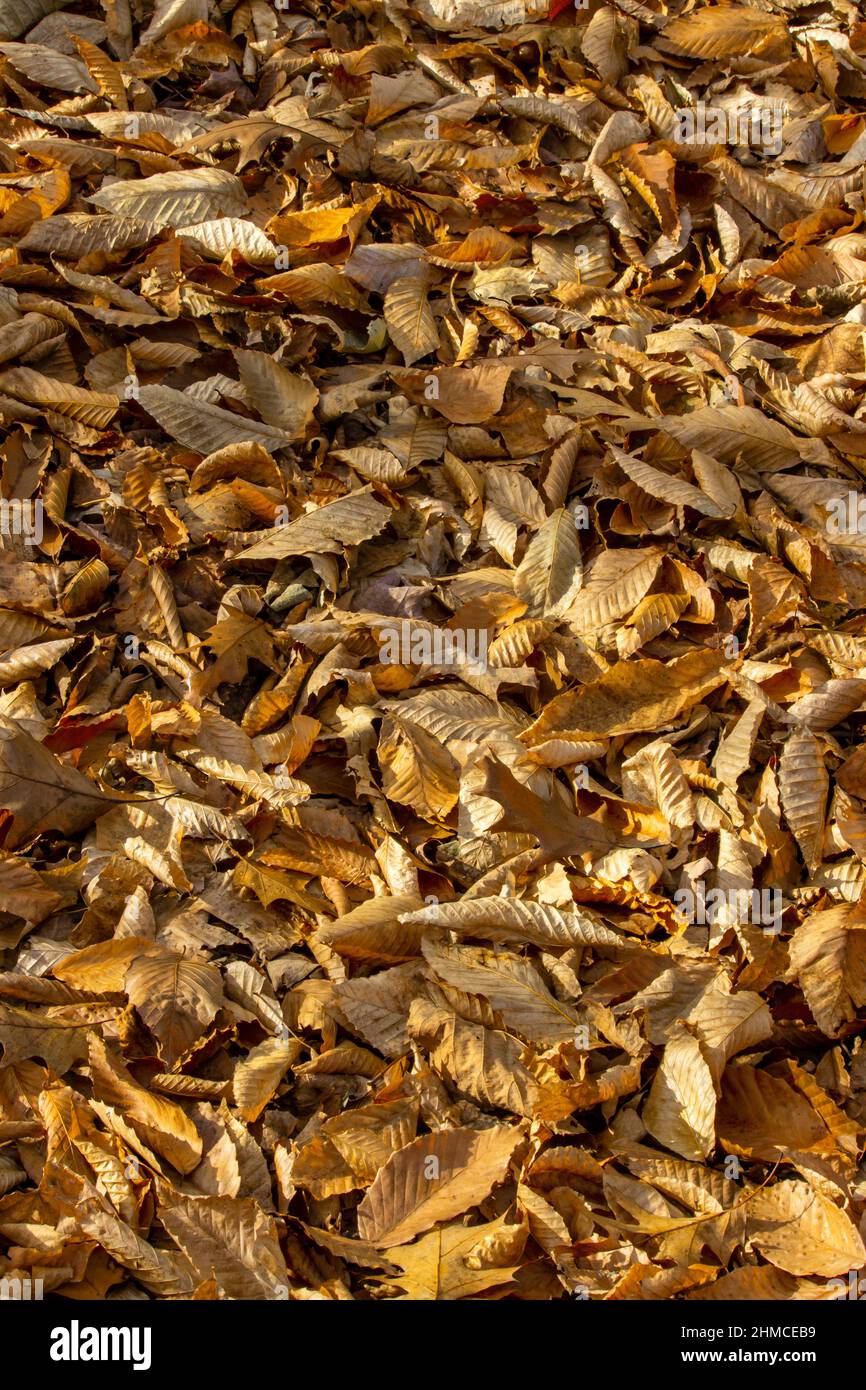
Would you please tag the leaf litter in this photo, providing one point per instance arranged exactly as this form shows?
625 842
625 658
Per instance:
434 666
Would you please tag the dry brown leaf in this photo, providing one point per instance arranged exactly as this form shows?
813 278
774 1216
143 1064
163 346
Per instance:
432 1179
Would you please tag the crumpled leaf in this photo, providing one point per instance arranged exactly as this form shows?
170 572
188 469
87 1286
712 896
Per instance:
176 998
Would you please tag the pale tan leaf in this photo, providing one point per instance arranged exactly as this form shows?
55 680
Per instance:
665 486
205 427
282 398
615 584
229 1239
550 574
487 1064
220 236
258 1075
512 984
410 319
725 31
801 1231
175 199
680 1109
828 957
163 1125
516 919
326 530
176 997
440 1265
803 783
432 1179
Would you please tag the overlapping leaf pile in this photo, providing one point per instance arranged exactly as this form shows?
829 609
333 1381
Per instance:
329 975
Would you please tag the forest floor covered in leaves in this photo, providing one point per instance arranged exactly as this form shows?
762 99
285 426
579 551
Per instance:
433 670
